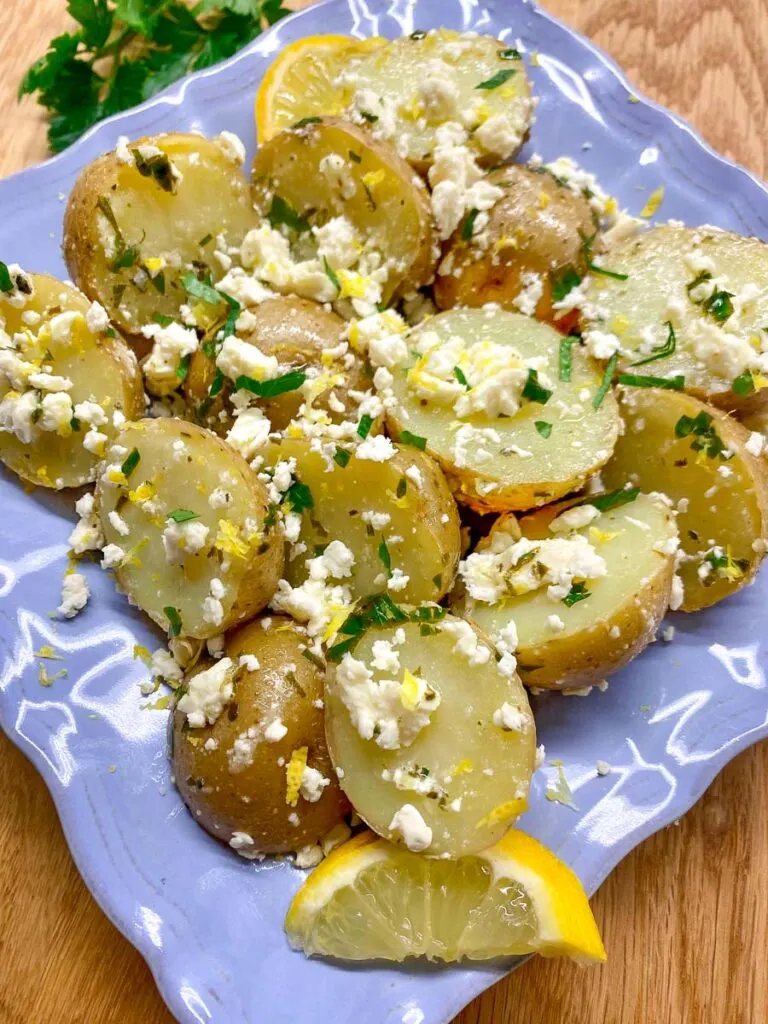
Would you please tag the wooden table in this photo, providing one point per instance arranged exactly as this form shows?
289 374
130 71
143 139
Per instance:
684 917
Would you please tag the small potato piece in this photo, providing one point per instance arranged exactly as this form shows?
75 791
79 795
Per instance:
55 364
467 768
506 462
298 333
400 509
535 240
674 443
228 772
417 83
128 236
680 276
189 517
378 194
564 646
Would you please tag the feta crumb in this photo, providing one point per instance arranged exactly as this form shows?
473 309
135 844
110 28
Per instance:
417 835
510 718
603 768
275 731
312 784
74 595
208 692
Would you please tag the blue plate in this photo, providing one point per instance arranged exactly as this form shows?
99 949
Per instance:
209 924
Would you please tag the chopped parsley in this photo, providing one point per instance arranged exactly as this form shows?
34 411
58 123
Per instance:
498 79
605 383
468 224
174 621
402 487
271 388
612 499
662 351
593 267
74 423
304 121
744 384
182 515
216 384
183 368
578 592
406 437
418 34
316 660
458 373
544 428
719 305
364 426
131 462
369 117
6 281
379 610
341 457
563 282
725 566
566 356
355 157
299 497
534 391
705 438
635 380
509 54
385 557
331 274
205 240
198 289
281 212
158 167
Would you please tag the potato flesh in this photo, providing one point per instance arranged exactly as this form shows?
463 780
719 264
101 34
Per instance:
102 370
428 551
655 293
396 73
391 214
537 228
228 793
733 516
615 622
457 746
240 551
211 200
581 439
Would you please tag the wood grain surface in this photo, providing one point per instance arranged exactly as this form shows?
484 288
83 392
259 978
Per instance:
684 917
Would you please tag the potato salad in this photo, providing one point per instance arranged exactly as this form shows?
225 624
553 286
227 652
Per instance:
382 429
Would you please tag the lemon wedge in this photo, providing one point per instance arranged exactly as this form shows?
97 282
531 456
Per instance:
371 899
301 81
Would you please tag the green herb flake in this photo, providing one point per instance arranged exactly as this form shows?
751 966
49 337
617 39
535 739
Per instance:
341 457
438 580
565 363
355 157
544 428
174 621
201 290
664 350
468 224
385 557
6 282
216 384
271 388
205 240
131 462
563 282
315 659
719 305
509 54
587 244
634 380
402 487
364 426
282 213
458 373
304 121
369 117
498 79
162 319
182 515
534 391
613 499
299 497
183 368
744 384
158 167
605 383
406 437
578 592
331 274
74 423
705 436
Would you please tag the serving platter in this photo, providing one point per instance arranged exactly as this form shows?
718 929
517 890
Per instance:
210 925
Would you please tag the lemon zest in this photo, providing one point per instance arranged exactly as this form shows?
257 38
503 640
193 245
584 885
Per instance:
293 773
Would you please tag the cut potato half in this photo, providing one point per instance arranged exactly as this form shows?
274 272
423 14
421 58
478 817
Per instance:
516 459
702 293
135 225
229 770
305 177
66 380
437 747
697 456
396 517
604 622
188 527
407 89
532 249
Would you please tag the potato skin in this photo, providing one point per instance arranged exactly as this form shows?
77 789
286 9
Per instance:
252 799
297 332
545 224
399 225
212 198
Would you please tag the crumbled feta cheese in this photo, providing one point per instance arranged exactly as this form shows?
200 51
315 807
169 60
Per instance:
677 593
87 535
397 581
96 318
170 345
574 519
249 662
417 835
239 358
275 731
183 539
74 595
249 432
376 448
165 666
555 623
208 692
467 642
312 784
510 718
231 146
603 768
532 290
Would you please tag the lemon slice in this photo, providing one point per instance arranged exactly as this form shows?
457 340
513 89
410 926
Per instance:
370 899
300 82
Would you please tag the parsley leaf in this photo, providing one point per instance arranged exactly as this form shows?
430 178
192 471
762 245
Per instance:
544 428
364 426
605 383
385 557
662 351
271 388
182 515
281 212
6 282
534 391
636 380
744 384
563 282
498 79
406 437
124 51
174 621
131 462
566 356
299 497
468 224
578 592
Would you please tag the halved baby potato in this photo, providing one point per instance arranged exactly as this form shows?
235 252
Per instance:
532 249
562 432
299 333
188 527
66 381
580 639
696 299
697 456
397 518
305 177
142 216
406 89
435 745
242 776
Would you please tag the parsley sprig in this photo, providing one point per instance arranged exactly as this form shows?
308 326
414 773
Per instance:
124 51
